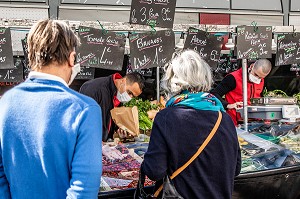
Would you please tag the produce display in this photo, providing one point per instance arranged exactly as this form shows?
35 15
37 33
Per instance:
263 147
297 96
274 146
121 164
280 93
274 93
145 123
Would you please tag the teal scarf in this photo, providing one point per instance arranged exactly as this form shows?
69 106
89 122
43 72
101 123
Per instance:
199 101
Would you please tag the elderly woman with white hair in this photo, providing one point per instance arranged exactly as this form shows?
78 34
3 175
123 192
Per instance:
191 116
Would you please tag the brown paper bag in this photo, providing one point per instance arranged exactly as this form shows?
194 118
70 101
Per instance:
126 118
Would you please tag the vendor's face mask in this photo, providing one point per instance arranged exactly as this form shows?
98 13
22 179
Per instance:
75 71
123 97
253 78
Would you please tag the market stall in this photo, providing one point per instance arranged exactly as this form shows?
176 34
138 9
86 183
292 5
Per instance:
270 152
270 161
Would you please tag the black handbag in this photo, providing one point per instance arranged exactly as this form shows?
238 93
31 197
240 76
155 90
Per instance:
139 191
167 190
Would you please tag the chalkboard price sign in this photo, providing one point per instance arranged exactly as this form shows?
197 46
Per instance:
254 42
288 49
99 49
149 50
13 75
6 52
161 11
209 46
86 73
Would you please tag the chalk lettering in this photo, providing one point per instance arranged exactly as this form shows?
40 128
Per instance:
196 41
165 12
264 36
141 63
143 44
250 36
2 59
93 40
283 45
157 51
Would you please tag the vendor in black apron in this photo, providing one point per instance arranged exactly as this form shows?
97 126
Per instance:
110 92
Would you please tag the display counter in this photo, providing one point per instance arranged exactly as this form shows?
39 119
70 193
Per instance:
270 164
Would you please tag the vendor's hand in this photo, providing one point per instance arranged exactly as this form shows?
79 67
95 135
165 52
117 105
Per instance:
123 134
236 105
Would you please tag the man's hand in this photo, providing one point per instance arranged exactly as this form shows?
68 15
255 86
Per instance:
123 134
236 105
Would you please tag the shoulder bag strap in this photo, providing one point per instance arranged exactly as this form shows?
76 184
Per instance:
206 141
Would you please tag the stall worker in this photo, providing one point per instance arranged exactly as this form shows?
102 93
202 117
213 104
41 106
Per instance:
232 87
48 147
110 92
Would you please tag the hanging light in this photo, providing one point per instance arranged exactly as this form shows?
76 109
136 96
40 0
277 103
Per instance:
230 43
127 46
180 44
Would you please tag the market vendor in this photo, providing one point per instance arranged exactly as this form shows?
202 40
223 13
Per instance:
110 92
232 87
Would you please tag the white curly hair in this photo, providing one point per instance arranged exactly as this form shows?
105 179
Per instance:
186 71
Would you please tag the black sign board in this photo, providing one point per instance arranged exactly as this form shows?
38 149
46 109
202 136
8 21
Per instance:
254 42
208 46
288 49
6 52
15 74
227 65
149 50
100 49
160 11
86 73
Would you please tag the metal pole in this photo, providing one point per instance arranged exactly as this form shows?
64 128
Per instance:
157 85
245 100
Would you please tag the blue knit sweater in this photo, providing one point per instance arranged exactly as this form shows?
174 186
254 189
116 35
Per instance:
50 142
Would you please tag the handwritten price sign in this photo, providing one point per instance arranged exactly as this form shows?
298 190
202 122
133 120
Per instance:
288 49
254 42
101 50
161 11
151 50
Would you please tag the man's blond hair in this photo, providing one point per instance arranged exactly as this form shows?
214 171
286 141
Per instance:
50 41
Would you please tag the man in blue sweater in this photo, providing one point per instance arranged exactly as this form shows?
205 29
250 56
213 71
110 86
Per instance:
48 147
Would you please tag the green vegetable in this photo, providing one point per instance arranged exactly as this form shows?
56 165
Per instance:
274 93
297 96
143 107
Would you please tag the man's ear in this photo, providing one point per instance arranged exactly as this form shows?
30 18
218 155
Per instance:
72 58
